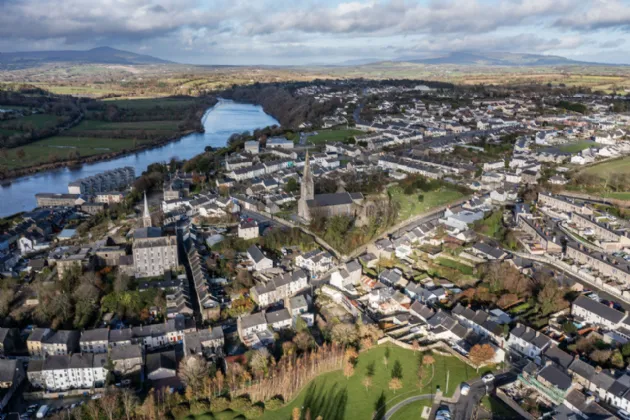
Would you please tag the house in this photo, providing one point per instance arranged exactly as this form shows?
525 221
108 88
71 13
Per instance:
94 341
528 342
207 342
279 288
460 218
258 259
279 319
390 276
161 365
315 261
11 376
10 341
297 305
489 252
253 330
76 371
61 342
248 230
346 277
595 313
156 336
127 360
153 253
34 343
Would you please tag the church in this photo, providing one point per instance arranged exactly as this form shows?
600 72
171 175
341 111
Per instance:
311 205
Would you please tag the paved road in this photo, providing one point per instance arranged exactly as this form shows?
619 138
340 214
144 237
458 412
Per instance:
463 409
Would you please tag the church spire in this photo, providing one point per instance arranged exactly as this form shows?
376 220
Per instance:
307 190
146 215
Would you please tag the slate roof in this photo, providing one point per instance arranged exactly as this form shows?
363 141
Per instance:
164 360
251 320
599 309
558 356
280 315
98 334
255 253
556 377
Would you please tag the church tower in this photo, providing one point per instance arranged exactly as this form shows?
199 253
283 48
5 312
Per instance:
146 216
307 190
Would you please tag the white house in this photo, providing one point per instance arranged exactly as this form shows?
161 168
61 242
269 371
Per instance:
248 230
258 259
596 313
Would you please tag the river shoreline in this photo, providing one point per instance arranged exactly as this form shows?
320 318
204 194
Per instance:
219 122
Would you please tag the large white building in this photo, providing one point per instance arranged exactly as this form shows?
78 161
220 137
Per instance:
114 180
153 254
78 371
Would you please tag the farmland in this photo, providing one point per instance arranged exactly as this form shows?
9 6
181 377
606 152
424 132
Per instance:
61 148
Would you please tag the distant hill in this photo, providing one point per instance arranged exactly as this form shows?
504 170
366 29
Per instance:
495 59
100 55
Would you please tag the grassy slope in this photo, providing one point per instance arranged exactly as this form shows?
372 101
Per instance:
410 205
614 166
334 388
89 125
577 146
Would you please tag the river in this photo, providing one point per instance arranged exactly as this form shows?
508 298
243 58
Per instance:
220 121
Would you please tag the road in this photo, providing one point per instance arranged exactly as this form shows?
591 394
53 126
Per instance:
403 403
464 407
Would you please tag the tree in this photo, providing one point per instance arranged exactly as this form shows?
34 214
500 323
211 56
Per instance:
296 413
93 410
395 384
428 360
617 359
348 369
600 356
367 382
109 404
192 371
260 361
625 349
481 353
304 340
129 402
344 334
551 298
291 186
121 282
397 370
415 346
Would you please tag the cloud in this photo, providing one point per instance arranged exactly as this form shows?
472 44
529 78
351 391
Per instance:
400 17
78 20
602 14
614 43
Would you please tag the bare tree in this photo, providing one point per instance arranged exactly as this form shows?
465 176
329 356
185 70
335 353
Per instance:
192 371
129 402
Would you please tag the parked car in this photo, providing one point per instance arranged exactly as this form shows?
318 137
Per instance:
487 378
465 389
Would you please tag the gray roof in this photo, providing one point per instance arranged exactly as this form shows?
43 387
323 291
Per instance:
280 315
8 369
489 250
99 334
583 369
147 232
556 377
163 360
125 352
599 309
558 356
116 336
255 253
251 320
333 199
67 337
38 334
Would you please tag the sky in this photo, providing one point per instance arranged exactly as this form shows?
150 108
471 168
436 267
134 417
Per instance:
299 32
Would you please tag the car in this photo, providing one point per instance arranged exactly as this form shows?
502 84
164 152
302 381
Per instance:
487 378
464 389
623 414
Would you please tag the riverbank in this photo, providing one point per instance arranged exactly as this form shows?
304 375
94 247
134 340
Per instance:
98 139
219 122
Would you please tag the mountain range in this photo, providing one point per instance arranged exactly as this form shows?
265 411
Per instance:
100 55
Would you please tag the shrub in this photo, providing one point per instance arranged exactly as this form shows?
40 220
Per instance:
254 412
240 404
274 403
180 411
219 404
200 407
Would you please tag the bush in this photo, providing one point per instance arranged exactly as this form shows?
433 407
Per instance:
254 412
274 403
240 404
180 411
200 407
219 404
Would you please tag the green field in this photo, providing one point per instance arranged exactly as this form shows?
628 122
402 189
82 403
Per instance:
152 102
332 136
41 151
618 195
410 205
96 125
36 120
463 268
334 397
577 146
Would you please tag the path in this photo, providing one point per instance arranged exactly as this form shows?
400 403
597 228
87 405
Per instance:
403 403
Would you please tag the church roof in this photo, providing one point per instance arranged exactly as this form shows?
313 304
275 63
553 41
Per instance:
334 199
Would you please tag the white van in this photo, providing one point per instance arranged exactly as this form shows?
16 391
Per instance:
41 413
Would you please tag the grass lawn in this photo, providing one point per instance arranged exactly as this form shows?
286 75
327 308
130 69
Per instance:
334 397
411 411
447 262
520 308
617 195
577 146
491 226
410 205
332 135
41 151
